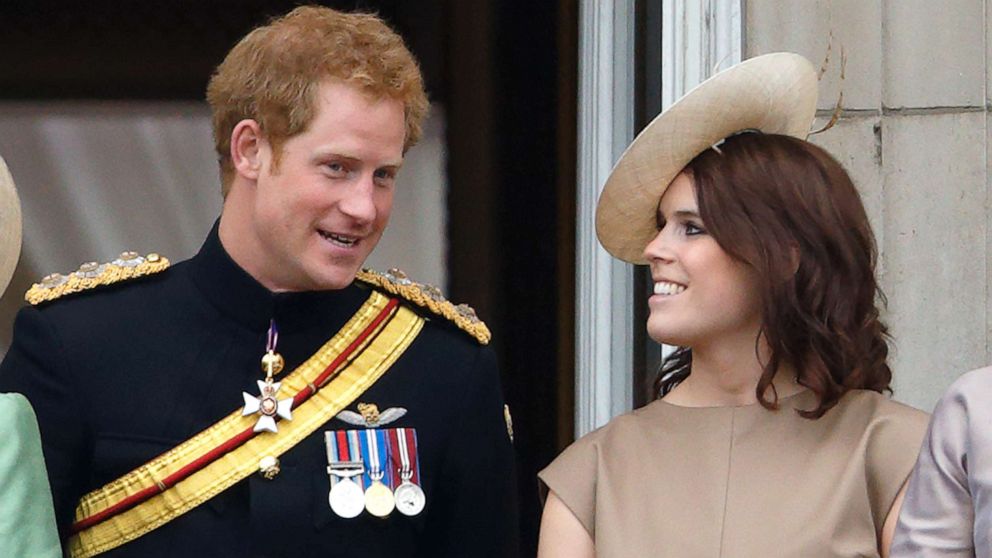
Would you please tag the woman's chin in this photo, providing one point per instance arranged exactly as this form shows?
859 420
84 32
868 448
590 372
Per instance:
667 337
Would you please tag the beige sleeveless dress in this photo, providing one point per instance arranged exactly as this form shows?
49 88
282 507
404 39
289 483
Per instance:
707 482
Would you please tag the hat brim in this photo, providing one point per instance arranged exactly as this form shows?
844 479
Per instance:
10 226
774 93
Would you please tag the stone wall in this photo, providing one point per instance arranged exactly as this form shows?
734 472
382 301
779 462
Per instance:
914 135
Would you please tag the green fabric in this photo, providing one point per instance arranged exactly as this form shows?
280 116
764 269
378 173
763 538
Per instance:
27 520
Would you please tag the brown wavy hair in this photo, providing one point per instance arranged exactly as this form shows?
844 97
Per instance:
272 75
790 211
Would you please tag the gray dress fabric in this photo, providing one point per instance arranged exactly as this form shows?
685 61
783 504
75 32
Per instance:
948 506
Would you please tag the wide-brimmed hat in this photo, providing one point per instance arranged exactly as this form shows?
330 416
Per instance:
10 226
773 93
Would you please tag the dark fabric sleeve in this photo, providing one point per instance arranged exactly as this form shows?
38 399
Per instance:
477 492
36 367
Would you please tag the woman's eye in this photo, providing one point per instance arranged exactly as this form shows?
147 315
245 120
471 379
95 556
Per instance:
692 229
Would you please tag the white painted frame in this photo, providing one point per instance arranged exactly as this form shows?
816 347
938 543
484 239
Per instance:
697 35
698 38
604 286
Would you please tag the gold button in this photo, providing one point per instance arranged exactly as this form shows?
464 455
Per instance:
153 257
268 467
274 361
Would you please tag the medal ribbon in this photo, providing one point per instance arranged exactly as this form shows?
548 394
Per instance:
355 454
330 443
404 461
376 453
340 450
272 338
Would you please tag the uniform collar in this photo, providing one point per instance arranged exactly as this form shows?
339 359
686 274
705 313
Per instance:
239 296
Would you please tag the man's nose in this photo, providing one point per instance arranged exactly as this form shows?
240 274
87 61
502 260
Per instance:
358 203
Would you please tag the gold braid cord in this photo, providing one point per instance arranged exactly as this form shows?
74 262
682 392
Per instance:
92 275
395 282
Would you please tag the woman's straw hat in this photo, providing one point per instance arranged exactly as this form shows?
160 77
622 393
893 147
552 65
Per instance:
773 93
10 226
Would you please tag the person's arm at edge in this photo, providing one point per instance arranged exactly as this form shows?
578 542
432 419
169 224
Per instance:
27 519
937 509
36 367
891 520
562 534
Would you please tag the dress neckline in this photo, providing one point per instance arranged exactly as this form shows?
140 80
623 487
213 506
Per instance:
757 404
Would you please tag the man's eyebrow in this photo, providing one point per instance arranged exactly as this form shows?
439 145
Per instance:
330 154
395 165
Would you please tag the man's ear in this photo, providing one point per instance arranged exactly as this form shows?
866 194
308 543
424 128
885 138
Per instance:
248 146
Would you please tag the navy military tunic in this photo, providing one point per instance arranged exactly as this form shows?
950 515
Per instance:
121 374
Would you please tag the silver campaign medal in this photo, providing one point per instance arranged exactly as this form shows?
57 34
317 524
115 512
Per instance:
410 498
346 497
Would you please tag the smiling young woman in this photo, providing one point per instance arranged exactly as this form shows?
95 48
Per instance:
772 435
788 214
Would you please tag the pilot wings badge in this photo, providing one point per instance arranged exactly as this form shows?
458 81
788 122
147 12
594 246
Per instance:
368 415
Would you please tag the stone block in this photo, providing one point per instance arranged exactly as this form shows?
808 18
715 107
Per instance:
856 143
936 236
805 27
934 53
988 54
988 231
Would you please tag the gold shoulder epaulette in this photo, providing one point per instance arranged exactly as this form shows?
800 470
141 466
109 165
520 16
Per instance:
92 275
396 282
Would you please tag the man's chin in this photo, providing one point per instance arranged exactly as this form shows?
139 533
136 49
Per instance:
334 280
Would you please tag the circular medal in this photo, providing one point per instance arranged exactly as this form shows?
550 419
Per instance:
346 499
410 498
379 500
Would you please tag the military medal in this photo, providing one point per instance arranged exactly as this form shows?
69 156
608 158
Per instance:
267 406
378 497
410 498
346 498
344 465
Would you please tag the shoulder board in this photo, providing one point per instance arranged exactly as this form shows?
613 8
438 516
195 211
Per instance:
91 275
396 282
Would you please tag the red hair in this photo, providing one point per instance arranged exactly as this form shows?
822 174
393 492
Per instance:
272 75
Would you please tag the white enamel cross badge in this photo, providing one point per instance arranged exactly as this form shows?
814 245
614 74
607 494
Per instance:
267 406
